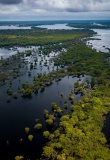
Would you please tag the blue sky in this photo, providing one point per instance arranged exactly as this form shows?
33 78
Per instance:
54 9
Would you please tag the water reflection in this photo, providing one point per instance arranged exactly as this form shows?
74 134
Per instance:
104 40
13 27
53 26
22 112
6 53
56 26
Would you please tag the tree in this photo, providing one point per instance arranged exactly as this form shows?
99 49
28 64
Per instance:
15 94
19 158
38 126
46 134
49 121
27 129
30 137
49 152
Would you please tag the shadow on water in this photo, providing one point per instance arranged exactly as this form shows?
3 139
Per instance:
106 128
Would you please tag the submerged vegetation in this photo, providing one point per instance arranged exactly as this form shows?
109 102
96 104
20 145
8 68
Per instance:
77 134
52 40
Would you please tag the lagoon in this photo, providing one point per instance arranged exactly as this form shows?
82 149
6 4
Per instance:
56 26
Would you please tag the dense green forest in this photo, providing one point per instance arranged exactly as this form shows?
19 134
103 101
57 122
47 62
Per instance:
11 38
79 135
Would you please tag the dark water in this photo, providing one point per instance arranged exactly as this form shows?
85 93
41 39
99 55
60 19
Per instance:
22 112
106 128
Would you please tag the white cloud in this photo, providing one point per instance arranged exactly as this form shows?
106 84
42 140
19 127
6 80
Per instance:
57 8
72 5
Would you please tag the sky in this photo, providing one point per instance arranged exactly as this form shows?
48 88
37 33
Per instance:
54 9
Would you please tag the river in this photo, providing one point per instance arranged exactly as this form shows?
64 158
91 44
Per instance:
101 40
104 40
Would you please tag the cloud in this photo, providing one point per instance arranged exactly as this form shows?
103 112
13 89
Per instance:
10 2
70 5
37 9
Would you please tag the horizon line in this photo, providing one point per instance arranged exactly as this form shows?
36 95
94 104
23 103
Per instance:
59 20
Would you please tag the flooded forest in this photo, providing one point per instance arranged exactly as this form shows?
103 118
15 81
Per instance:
54 95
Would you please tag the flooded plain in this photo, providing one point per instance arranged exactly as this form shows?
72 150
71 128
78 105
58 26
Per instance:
21 112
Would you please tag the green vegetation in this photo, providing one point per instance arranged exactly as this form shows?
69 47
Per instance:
27 129
50 119
19 158
15 95
38 126
81 59
21 140
9 91
30 137
79 133
10 38
46 134
52 40
10 69
28 53
90 25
